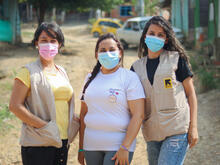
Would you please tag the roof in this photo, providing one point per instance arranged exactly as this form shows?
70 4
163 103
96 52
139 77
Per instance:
107 19
139 18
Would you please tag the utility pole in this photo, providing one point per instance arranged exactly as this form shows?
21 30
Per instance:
140 8
197 21
217 26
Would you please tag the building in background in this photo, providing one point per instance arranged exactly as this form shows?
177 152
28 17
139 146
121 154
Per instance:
199 20
124 11
9 21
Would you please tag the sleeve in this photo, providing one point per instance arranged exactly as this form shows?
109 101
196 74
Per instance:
81 93
183 71
24 76
134 88
132 69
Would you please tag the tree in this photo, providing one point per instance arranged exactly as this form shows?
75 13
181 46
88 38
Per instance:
149 6
42 6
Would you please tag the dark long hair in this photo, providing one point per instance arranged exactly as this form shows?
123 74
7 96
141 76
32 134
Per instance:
97 67
172 44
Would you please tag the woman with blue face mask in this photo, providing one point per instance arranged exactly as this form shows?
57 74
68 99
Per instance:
170 123
112 108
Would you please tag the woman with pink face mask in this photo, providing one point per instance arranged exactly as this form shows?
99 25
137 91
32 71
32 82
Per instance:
42 98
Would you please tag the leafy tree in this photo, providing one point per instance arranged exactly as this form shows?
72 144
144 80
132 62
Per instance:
150 6
43 5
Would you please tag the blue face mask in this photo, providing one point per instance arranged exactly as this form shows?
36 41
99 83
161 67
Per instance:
154 43
109 60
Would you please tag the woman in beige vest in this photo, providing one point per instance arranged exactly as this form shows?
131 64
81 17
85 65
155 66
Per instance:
170 124
42 98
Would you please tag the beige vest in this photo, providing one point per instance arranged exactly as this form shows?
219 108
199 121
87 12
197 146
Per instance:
167 110
41 103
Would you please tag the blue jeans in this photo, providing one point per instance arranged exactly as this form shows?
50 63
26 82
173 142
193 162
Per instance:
171 151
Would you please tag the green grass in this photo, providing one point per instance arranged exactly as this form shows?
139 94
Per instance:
13 73
5 86
27 34
5 115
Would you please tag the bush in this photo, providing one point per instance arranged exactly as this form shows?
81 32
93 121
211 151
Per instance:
91 21
207 79
4 115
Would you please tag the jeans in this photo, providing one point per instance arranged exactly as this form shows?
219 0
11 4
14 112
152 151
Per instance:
102 157
170 151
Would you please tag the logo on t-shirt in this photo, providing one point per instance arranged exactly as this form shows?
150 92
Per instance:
168 83
113 93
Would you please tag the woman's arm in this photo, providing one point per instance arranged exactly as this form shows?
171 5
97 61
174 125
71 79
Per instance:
16 105
191 95
137 115
83 112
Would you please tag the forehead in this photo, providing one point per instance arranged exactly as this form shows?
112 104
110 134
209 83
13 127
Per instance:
107 43
156 28
45 35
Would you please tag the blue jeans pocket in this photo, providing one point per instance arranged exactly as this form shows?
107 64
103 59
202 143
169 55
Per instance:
173 150
176 143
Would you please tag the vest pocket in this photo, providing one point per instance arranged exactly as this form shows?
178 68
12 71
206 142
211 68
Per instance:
48 135
164 88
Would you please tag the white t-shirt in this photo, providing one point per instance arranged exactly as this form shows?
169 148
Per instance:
108 113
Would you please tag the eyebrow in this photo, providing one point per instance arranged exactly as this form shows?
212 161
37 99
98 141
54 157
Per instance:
43 37
159 32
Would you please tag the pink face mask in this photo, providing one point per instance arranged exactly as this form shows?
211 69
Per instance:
48 51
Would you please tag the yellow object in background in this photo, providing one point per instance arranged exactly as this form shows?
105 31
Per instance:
105 25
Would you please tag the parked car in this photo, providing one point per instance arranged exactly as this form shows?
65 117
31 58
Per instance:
130 33
105 25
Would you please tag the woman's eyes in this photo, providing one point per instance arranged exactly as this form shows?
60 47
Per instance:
152 34
159 35
53 41
46 41
111 50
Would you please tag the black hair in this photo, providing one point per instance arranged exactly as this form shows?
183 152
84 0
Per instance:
47 27
97 67
172 44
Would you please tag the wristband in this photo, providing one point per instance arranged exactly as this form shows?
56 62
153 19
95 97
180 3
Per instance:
123 147
80 150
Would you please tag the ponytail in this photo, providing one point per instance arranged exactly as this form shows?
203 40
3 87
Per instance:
94 73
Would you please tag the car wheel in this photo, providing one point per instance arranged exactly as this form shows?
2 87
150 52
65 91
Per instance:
96 34
124 44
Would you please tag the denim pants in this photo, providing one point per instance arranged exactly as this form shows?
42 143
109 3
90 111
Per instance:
170 151
102 157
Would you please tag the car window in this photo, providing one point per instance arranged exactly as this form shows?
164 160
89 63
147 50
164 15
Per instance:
114 25
142 24
128 26
132 26
103 23
135 26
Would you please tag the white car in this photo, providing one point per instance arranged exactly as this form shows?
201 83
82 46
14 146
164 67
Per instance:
131 31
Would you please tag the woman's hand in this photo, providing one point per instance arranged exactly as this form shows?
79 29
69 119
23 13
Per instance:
121 157
191 95
192 136
81 158
41 124
76 118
